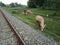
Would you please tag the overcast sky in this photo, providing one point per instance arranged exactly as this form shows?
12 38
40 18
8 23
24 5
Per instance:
24 2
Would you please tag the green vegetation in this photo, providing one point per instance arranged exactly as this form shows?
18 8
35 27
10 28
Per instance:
39 7
2 4
44 4
52 27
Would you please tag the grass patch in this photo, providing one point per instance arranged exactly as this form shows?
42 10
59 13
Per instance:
52 27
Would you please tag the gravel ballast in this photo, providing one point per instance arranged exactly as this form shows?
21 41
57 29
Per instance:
7 37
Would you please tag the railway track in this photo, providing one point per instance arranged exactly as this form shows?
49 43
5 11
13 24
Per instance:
29 35
8 34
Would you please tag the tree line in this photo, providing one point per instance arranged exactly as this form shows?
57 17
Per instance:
2 4
11 5
45 4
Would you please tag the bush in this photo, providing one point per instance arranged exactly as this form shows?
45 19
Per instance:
14 12
54 14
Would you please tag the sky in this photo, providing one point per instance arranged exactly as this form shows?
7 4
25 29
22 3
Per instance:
24 2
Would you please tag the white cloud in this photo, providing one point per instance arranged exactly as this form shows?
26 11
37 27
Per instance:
24 2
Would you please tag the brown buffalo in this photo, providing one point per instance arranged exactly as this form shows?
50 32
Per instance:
40 22
27 12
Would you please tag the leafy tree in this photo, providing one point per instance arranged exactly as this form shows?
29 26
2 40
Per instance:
35 3
12 5
2 4
47 4
31 4
15 5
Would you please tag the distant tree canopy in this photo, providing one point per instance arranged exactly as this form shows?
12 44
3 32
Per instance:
31 4
47 4
2 4
15 5
35 3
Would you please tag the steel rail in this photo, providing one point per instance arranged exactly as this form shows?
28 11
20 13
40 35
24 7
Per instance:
21 42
